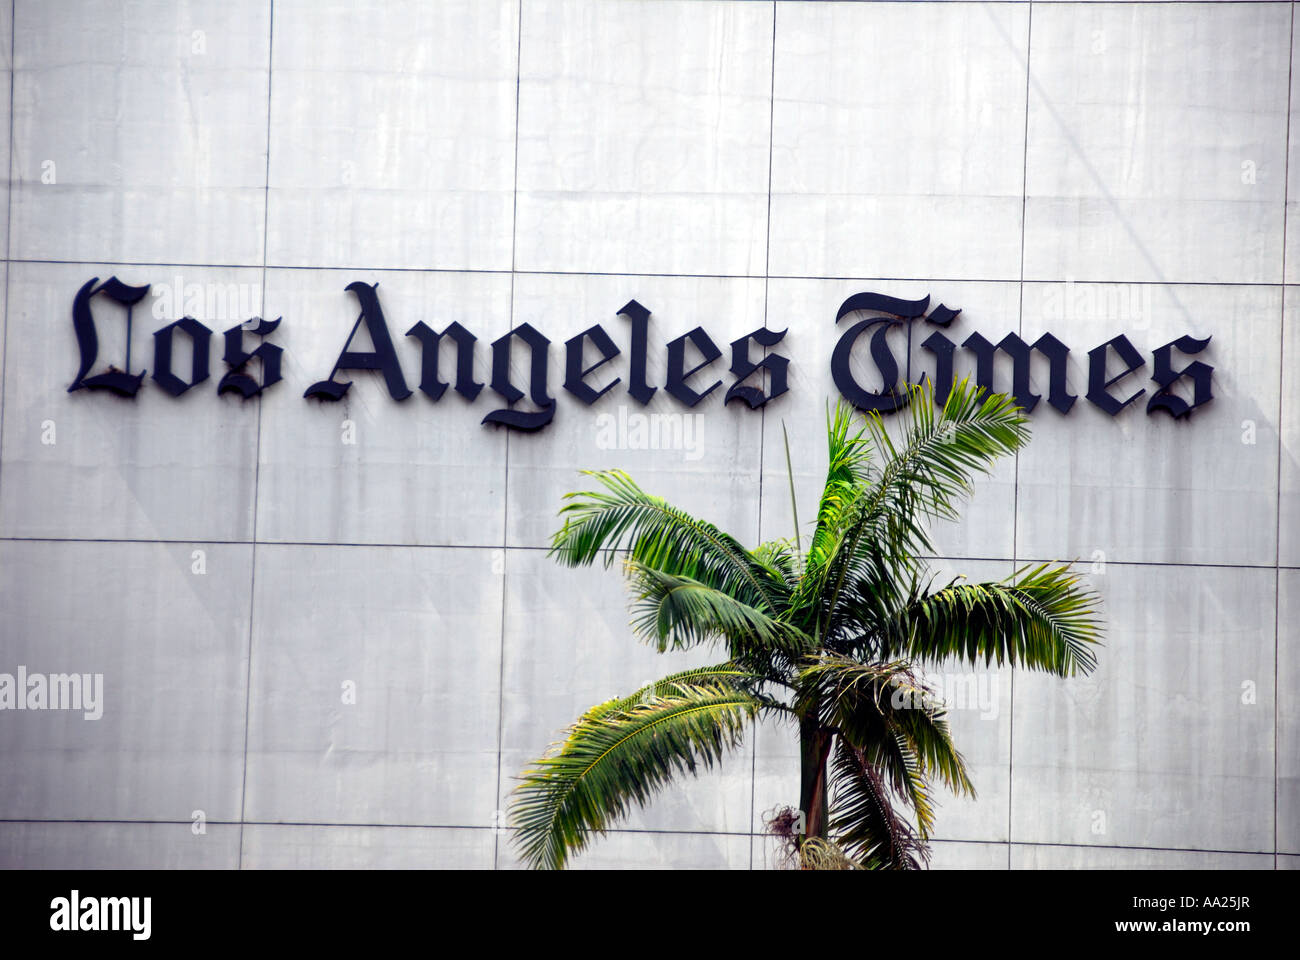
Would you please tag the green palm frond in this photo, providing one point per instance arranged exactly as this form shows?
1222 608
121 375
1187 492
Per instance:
865 821
599 523
866 623
885 513
677 612
896 761
885 710
616 756
728 674
849 453
940 452
781 558
1042 618
831 678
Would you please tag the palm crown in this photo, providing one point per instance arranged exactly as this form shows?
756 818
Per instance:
829 637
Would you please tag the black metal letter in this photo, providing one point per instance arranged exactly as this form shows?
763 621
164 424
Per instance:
1057 355
1020 352
1166 376
124 384
237 358
943 349
678 375
519 419
890 398
430 343
575 376
641 391
1098 385
743 368
200 339
383 357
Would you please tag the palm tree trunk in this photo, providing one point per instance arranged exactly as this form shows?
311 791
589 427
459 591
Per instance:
814 746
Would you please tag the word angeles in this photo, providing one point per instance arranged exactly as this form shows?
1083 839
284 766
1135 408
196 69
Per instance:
75 912
57 691
887 319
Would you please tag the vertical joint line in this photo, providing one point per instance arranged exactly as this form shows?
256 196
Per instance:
9 225
1015 487
505 485
1281 412
257 450
762 416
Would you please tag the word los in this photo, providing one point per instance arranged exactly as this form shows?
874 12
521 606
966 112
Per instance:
75 912
681 381
55 691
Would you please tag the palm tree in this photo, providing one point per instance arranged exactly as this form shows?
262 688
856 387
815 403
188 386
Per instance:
830 637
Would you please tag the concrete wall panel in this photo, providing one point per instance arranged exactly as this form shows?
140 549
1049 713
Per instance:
139 131
165 628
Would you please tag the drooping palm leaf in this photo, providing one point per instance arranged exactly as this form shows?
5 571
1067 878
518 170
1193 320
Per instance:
677 612
599 523
886 711
1043 618
727 674
865 821
616 756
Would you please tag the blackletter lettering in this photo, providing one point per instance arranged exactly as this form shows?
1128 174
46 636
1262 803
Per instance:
236 357
1056 352
640 391
519 419
743 368
1166 376
890 398
430 343
1098 384
383 357
200 339
575 375
121 382
678 375
943 349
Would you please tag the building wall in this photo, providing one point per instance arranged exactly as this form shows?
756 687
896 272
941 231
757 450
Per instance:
1085 168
